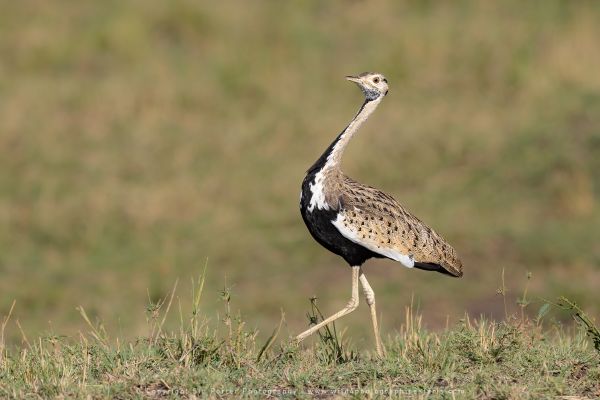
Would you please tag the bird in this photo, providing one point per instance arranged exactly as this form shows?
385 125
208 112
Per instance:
359 222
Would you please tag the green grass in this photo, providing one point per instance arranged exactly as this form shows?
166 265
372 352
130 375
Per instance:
139 138
515 358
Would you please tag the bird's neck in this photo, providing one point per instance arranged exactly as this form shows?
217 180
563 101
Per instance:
332 156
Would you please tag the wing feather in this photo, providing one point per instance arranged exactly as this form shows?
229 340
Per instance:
379 223
361 236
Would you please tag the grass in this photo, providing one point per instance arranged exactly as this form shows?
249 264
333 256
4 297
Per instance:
515 358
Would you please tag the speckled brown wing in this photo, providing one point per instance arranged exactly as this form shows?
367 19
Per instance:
378 222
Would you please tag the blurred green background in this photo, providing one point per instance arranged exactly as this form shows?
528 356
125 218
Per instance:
140 138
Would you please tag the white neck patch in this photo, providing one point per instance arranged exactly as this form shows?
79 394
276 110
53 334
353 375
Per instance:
317 199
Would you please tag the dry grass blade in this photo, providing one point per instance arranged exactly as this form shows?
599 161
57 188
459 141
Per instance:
2 329
272 338
197 295
96 332
162 322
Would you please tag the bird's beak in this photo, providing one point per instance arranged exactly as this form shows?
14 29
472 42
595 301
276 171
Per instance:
354 79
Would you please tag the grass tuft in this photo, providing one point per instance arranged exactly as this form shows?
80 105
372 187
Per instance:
333 346
582 319
220 357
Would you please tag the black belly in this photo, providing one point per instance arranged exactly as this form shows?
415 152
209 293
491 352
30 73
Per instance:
320 227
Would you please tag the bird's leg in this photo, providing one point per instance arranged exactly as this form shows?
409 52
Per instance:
370 298
351 306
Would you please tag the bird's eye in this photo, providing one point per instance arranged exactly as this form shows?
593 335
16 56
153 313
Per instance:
376 80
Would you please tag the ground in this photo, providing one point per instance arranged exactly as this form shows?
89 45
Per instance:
517 358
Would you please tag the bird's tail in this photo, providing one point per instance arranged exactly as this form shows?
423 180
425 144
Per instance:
457 273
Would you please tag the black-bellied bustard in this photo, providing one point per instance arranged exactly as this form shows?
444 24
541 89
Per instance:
358 222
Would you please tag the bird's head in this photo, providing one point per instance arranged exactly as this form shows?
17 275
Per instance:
372 84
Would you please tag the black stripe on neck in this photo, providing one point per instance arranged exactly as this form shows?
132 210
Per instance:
371 95
320 163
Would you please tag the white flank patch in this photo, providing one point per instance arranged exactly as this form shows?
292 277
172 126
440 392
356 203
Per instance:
318 194
351 234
